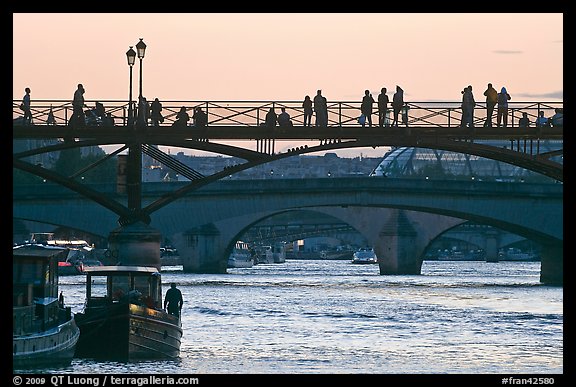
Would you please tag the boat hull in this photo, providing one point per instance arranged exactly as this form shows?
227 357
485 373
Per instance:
364 261
52 347
240 263
126 332
364 256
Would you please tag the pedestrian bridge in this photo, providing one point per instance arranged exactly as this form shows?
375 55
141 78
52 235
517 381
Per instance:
428 124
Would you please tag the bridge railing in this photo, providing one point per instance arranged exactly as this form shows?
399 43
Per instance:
253 113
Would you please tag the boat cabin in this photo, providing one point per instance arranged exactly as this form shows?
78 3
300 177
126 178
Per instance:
35 288
140 285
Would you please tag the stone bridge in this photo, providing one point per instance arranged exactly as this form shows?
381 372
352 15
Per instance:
399 217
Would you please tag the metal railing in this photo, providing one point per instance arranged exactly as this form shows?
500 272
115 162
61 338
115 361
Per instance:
253 113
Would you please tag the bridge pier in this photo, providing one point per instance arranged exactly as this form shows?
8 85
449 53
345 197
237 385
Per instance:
551 266
135 244
491 244
397 248
201 250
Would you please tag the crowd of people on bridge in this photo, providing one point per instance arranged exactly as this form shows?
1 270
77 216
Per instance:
144 112
500 100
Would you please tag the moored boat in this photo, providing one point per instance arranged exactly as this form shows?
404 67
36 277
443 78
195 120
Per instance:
515 254
279 252
79 252
364 255
44 332
123 318
263 254
241 256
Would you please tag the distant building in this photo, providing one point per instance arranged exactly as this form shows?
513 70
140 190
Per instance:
294 167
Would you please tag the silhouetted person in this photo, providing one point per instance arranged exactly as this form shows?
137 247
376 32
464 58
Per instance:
51 120
558 118
491 100
182 118
307 106
61 300
542 121
284 118
405 109
271 118
383 101
100 110
200 118
468 105
173 300
503 98
25 106
524 121
366 107
143 109
397 103
78 119
156 112
464 115
321 109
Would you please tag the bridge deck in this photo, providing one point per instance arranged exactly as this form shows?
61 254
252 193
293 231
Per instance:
225 132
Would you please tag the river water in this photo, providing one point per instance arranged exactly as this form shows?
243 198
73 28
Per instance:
334 317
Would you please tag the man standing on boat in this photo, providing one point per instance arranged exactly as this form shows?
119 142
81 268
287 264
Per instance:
173 300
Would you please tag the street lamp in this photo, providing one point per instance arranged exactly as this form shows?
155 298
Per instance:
141 49
131 56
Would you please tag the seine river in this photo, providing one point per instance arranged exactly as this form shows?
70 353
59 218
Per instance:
334 317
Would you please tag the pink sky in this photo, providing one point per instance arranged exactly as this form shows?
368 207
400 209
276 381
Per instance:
285 56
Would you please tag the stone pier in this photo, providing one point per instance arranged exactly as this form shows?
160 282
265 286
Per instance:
552 264
201 250
136 245
396 250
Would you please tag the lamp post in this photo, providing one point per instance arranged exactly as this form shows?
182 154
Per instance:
134 167
141 49
131 56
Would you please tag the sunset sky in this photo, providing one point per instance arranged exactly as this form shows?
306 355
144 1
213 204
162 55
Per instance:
285 56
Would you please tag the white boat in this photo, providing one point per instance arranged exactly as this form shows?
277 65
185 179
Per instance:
364 255
44 332
515 254
241 256
279 252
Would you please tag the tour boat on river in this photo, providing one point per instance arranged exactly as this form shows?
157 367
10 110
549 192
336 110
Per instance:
123 318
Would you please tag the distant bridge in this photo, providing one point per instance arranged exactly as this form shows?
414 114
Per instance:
379 208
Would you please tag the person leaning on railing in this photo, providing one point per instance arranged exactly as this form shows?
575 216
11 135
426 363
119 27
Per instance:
182 118
542 121
524 122
558 118
200 118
